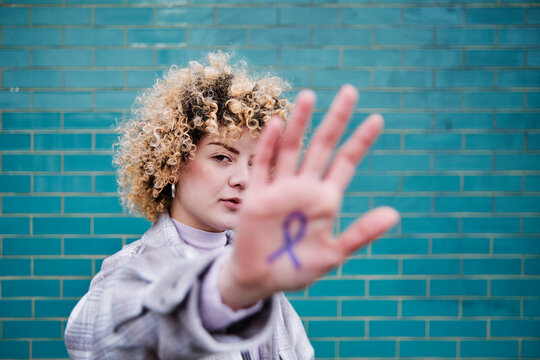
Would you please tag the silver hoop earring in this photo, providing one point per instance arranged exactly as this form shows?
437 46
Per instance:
173 190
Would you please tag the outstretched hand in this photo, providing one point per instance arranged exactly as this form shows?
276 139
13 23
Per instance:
284 233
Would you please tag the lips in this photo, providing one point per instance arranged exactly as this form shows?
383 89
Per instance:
232 203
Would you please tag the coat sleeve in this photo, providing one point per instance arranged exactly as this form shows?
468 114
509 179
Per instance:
148 307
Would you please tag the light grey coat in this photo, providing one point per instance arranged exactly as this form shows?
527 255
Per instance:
144 304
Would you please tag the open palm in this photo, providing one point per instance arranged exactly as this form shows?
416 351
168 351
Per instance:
284 234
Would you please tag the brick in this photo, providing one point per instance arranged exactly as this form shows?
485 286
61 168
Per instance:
530 349
432 100
492 266
403 36
429 308
31 204
120 225
75 288
400 246
14 58
31 37
433 16
14 267
427 348
433 141
371 16
408 328
63 100
515 287
32 329
369 308
62 267
517 204
516 162
531 308
14 100
532 183
34 121
431 266
14 16
62 57
404 204
495 58
430 183
533 57
495 141
368 348
355 204
462 162
88 163
15 308
140 79
61 16
337 288
464 78
32 78
489 348
62 183
460 245
123 16
62 141
15 349
522 78
533 100
280 36
457 328
371 267
105 141
397 287
166 57
445 287
63 225
463 204
309 57
115 99
14 183
515 327
14 225
93 78
49 349
308 16
518 121
336 328
421 79
433 57
491 225
490 307
379 99
14 142
495 16
211 36
429 225
463 36
300 78
89 37
175 16
336 78
515 37
94 120
374 58
27 287
124 57
32 246
492 183
400 162
85 204
531 266
92 246
516 246
340 36
533 141
30 162
324 348
318 308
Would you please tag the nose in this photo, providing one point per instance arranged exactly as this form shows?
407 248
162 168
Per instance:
240 176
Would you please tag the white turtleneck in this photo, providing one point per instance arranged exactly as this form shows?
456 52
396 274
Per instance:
215 315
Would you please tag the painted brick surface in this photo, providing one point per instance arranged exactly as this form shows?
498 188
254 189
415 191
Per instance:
458 83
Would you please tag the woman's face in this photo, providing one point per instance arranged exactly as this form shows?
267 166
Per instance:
211 187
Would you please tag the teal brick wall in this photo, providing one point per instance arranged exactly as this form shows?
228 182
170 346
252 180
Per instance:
457 81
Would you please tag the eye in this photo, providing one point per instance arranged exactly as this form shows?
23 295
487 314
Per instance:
221 158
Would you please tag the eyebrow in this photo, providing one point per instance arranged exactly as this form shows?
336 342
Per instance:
231 149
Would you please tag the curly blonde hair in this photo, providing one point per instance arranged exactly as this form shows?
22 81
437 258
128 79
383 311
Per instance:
171 118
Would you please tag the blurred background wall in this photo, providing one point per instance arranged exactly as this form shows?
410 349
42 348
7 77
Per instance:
457 81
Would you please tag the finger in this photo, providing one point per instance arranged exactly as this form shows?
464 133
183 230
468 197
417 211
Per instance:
367 228
349 155
329 132
290 144
262 160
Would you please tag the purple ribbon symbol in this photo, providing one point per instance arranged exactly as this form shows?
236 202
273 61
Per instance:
289 240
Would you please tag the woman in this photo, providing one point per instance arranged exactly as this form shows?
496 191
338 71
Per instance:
196 160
